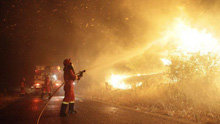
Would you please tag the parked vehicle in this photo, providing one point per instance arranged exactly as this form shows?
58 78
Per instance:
53 72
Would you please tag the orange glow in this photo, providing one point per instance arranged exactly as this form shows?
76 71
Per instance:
36 100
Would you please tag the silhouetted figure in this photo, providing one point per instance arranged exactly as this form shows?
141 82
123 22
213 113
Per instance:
46 89
22 85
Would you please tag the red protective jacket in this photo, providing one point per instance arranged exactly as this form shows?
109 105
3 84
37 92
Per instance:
69 77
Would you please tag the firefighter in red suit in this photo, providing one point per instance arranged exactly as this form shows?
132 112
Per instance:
47 87
23 86
69 98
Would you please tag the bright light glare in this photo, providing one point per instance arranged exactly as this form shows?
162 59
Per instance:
138 75
54 77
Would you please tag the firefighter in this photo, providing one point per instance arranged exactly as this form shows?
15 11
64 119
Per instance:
46 87
23 86
69 98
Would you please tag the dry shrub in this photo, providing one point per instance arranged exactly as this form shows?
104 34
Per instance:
188 90
193 85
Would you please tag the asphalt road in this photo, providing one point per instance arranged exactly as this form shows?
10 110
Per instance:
26 111
23 111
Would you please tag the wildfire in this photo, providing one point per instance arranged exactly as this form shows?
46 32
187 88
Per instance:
192 40
117 81
188 40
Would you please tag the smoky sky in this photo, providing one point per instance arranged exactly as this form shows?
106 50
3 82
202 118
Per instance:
44 32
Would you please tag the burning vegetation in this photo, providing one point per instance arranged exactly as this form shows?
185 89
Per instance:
117 81
187 87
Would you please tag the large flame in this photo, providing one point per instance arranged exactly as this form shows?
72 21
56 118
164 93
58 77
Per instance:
188 40
192 40
117 81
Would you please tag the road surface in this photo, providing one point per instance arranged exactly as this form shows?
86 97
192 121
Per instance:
26 111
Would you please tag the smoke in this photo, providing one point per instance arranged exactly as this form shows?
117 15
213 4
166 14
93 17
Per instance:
113 33
128 38
103 37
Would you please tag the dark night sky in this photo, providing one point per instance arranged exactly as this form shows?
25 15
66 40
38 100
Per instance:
44 32
28 37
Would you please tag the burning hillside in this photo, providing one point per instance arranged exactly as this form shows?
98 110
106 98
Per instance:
187 86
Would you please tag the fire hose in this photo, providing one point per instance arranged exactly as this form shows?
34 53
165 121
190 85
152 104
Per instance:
80 74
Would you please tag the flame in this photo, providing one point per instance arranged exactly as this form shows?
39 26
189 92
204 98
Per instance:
188 40
116 81
192 40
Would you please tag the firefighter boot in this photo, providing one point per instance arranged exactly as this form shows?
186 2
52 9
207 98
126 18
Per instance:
63 110
71 108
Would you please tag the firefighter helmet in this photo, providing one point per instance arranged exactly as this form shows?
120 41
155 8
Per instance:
66 62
